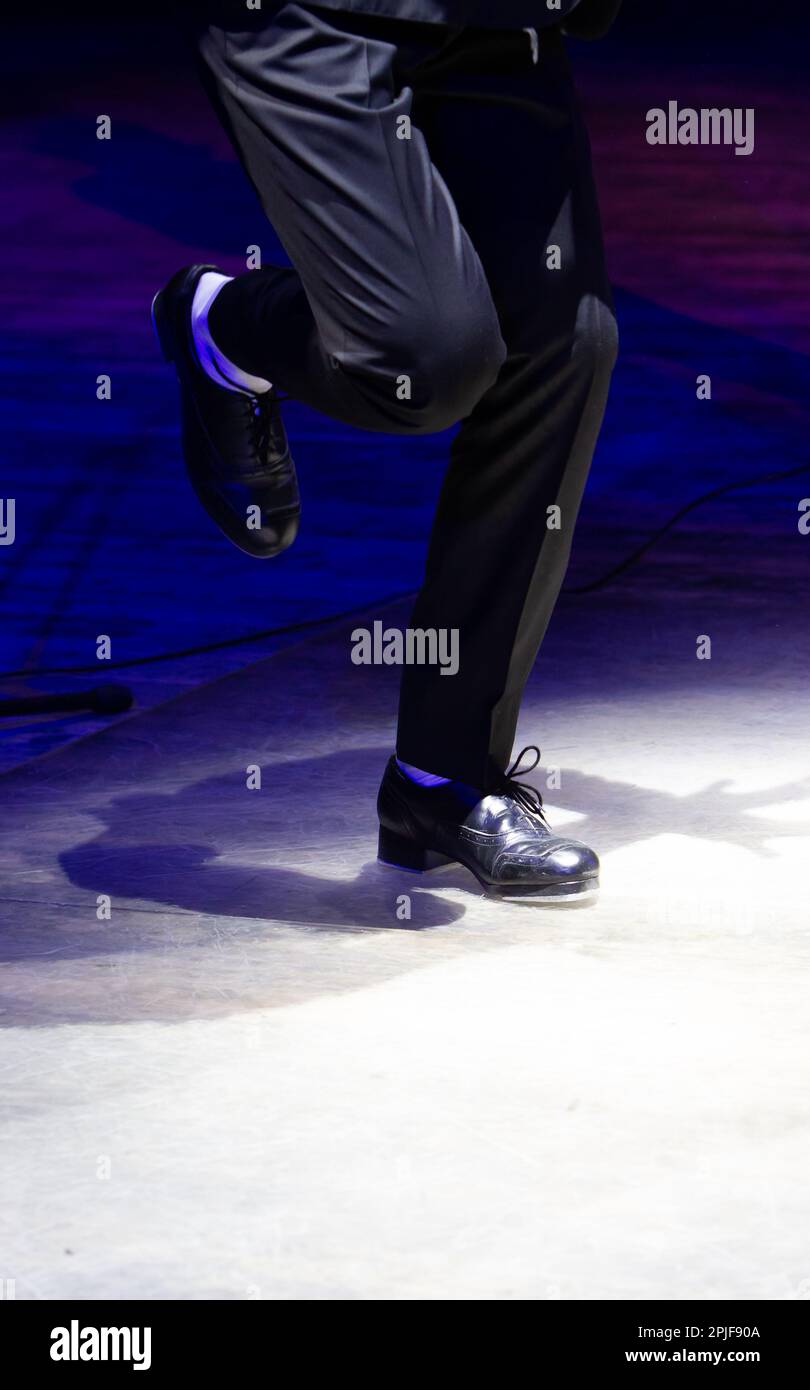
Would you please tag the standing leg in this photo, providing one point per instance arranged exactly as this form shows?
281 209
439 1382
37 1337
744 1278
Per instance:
507 135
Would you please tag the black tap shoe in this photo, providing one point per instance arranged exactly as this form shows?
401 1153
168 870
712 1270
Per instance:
234 444
500 835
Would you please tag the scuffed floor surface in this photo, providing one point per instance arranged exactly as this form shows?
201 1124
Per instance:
261 1078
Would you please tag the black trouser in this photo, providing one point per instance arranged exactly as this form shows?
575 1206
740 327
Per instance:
420 179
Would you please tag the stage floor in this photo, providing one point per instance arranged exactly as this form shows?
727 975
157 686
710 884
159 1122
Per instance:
255 1080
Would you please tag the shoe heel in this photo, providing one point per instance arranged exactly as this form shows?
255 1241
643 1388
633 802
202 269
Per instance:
406 854
161 327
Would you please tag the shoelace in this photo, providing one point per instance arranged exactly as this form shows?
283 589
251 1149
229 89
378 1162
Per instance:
259 417
526 796
258 421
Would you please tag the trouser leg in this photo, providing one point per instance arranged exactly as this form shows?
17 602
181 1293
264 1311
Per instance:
508 136
387 321
416 260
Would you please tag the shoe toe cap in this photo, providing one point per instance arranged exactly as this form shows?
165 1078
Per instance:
559 861
573 859
278 532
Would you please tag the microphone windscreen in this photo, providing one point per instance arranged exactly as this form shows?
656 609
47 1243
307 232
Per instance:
111 698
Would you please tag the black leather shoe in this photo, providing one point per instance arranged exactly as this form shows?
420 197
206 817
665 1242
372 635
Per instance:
501 836
234 444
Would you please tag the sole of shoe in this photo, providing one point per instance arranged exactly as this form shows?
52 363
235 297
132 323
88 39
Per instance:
578 891
395 852
161 327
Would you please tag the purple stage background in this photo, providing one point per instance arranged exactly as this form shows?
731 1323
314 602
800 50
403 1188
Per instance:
708 252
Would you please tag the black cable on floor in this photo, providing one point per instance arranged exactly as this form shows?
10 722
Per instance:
636 555
309 623
99 667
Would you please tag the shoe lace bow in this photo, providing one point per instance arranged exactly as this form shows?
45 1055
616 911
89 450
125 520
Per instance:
526 796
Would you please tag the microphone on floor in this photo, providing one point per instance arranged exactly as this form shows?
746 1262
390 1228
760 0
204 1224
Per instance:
99 699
